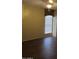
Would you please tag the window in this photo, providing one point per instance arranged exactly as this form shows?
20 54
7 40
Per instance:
48 24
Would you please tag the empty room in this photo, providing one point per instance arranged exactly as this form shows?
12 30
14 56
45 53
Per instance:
39 29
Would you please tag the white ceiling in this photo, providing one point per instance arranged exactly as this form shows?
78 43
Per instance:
41 3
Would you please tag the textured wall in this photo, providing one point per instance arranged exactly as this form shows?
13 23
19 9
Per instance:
32 22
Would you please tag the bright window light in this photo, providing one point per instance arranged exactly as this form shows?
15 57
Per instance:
48 24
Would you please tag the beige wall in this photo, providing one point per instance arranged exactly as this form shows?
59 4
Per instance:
32 22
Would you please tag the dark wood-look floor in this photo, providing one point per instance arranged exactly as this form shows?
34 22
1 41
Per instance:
45 48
